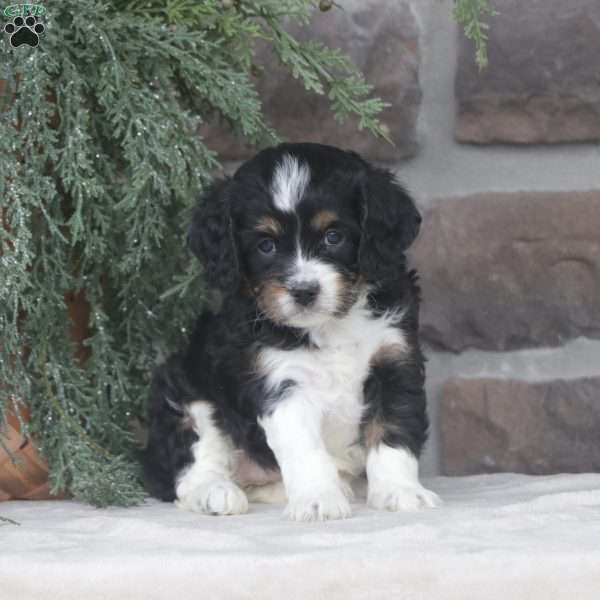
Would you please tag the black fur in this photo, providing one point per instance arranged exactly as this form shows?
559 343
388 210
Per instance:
394 391
378 220
210 238
169 437
390 225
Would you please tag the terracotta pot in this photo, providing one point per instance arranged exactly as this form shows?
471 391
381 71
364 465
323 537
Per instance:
24 475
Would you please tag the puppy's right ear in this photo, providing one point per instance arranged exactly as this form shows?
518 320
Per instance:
210 238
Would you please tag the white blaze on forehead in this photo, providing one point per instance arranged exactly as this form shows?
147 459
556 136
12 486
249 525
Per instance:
308 270
289 182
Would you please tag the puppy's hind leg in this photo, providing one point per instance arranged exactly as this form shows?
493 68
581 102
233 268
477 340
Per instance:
206 484
269 493
170 435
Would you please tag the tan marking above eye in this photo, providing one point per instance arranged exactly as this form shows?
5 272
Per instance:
323 219
270 226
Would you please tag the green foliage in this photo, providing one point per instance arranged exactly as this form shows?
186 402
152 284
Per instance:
470 14
100 165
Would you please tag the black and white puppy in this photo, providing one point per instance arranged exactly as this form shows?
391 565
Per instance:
310 373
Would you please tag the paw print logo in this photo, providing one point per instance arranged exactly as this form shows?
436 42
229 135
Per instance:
24 31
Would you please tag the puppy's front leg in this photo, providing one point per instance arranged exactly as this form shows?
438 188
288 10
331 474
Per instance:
312 483
395 429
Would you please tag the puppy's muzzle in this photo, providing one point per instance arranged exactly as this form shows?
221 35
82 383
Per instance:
305 294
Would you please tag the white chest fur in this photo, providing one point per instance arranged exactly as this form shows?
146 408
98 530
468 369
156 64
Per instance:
331 375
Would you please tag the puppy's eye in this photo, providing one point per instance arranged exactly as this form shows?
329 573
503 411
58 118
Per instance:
333 237
266 246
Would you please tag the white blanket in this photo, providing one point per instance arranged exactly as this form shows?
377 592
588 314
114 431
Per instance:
505 537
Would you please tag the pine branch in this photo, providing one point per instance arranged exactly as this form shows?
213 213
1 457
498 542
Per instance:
470 14
322 70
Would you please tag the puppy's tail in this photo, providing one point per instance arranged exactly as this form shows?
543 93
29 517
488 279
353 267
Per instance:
170 437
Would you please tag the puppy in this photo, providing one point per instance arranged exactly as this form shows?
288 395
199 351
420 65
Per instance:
311 372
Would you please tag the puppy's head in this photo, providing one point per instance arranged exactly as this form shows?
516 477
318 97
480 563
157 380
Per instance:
304 228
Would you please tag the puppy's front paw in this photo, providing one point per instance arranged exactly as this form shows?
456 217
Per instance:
322 506
220 497
403 498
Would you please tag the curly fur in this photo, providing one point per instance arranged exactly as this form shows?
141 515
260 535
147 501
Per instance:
210 238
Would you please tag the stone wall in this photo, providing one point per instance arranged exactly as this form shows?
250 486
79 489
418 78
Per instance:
505 165
508 173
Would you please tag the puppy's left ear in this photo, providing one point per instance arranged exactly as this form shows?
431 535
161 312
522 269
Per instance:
390 224
210 237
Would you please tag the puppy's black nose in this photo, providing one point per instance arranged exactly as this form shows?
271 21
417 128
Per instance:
306 293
